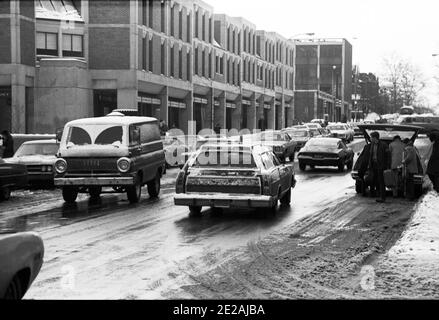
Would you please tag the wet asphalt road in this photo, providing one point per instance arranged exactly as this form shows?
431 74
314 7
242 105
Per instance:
110 249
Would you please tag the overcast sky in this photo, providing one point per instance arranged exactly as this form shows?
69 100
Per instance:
375 28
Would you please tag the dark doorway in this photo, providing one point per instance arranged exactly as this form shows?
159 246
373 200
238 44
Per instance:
104 101
229 113
244 115
30 114
286 117
198 118
266 118
5 108
174 117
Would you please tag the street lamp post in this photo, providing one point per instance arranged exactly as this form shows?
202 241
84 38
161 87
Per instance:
334 92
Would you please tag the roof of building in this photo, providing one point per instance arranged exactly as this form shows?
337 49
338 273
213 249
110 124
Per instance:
57 10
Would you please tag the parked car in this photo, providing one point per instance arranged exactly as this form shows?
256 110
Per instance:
342 131
279 141
234 175
313 125
354 126
21 258
123 152
326 152
321 122
299 136
12 176
387 132
38 156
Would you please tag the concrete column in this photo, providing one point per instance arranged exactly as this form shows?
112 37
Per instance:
316 101
252 119
237 114
188 124
18 102
164 105
282 112
127 98
220 111
271 114
210 119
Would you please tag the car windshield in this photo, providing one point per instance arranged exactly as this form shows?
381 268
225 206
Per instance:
95 134
273 136
224 157
390 134
29 149
323 143
336 128
298 133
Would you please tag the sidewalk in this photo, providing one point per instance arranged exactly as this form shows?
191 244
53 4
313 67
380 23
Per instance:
410 268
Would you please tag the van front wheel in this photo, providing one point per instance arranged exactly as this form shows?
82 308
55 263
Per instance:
70 194
134 192
154 186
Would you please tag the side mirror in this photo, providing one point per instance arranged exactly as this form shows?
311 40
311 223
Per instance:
59 133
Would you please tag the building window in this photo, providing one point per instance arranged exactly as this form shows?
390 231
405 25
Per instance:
47 43
162 16
172 62
150 13
228 39
203 63
180 24
233 41
238 78
180 64
228 70
233 72
188 66
150 55
188 28
143 53
210 30
219 65
144 12
196 24
162 60
172 21
72 45
203 22
196 61
210 65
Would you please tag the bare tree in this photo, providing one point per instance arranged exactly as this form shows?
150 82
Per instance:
406 81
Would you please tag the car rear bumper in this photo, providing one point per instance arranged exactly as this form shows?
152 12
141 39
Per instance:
95 181
319 161
32 177
224 201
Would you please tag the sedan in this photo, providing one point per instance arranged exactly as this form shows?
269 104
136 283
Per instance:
326 152
341 130
21 258
38 156
12 176
279 141
300 136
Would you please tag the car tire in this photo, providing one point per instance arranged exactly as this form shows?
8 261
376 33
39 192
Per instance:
15 290
134 192
154 186
195 211
291 158
341 166
302 166
5 193
95 191
69 194
286 198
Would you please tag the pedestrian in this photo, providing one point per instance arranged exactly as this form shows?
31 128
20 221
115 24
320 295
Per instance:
396 149
433 162
163 127
217 128
8 144
411 168
362 165
378 162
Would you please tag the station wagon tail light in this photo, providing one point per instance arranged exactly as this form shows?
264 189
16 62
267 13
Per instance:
265 181
61 166
123 165
179 184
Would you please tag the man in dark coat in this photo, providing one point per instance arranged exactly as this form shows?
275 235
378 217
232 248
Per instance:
8 144
433 162
378 162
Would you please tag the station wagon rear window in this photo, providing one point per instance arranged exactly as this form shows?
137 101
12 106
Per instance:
224 158
95 134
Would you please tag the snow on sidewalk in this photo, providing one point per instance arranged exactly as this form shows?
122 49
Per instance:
410 268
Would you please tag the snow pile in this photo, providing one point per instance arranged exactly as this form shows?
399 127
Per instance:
419 244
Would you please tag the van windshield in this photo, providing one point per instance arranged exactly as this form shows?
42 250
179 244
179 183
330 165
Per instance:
95 134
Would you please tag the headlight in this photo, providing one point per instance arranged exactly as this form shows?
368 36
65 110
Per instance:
49 168
61 166
123 164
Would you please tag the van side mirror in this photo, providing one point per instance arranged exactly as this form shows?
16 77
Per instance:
59 133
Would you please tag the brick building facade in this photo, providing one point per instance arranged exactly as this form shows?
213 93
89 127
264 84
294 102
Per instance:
175 60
